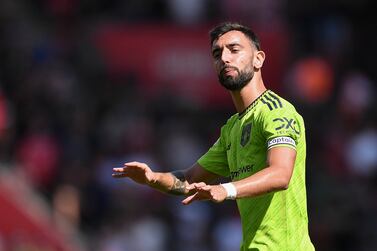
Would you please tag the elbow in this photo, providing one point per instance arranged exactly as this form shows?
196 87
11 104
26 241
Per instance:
283 178
283 183
284 186
280 184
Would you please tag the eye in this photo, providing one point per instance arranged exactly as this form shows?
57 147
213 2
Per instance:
235 50
216 54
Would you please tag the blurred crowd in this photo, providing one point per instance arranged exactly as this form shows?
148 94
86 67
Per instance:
66 120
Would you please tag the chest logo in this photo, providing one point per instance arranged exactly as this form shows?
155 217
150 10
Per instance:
246 132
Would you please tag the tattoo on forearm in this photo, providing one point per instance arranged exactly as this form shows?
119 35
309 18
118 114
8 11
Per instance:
179 185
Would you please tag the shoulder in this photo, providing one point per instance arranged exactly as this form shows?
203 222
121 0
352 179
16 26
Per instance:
271 104
277 117
230 122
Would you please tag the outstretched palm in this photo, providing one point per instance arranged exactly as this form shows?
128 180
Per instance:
138 172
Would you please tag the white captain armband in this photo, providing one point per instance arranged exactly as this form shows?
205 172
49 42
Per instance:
281 141
231 191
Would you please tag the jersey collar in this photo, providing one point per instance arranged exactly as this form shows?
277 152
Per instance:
252 105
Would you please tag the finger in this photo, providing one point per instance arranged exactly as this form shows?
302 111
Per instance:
132 163
118 175
200 184
189 199
118 169
204 188
190 187
193 186
135 164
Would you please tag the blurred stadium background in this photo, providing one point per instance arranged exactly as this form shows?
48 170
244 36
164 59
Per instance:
88 85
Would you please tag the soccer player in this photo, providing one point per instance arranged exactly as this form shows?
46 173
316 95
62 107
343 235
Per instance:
261 149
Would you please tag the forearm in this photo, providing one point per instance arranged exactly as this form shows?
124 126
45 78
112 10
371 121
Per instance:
174 183
275 177
267 180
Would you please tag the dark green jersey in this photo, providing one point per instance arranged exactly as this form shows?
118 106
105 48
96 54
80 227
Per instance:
277 220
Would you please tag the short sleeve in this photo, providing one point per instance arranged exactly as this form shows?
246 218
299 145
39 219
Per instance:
215 160
282 127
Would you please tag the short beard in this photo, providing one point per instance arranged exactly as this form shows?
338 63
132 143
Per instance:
238 82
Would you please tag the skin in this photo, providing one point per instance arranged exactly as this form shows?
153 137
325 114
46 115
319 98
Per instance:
231 51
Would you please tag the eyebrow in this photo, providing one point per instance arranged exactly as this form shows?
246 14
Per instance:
217 48
234 44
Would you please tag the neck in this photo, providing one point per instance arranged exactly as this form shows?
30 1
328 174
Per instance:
244 97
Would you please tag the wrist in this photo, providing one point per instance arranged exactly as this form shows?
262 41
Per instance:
231 191
153 181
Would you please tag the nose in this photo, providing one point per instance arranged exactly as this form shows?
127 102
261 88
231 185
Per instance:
225 56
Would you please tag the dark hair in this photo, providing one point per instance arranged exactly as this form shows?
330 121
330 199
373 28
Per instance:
223 28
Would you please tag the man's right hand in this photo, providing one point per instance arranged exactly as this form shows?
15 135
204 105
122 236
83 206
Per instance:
138 172
171 182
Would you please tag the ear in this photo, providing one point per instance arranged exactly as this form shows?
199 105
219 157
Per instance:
259 57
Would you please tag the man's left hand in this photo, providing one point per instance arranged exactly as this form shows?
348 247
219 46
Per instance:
202 191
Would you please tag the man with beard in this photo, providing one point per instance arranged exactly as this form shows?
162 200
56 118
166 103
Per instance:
261 148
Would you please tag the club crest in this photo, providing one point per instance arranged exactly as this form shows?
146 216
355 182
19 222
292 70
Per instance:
245 137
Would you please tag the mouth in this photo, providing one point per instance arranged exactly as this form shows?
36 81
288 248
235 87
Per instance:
229 70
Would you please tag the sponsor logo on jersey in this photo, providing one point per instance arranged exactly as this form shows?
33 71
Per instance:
285 123
246 132
281 141
244 169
